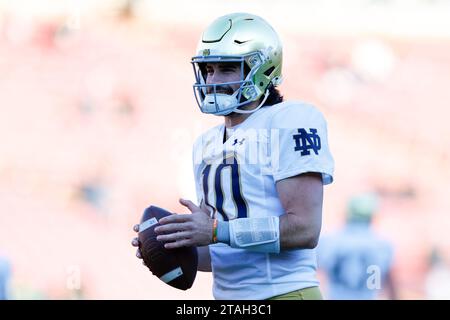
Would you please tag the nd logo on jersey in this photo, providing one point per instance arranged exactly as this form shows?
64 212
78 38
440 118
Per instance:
305 141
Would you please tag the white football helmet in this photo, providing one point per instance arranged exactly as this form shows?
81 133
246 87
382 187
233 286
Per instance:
241 38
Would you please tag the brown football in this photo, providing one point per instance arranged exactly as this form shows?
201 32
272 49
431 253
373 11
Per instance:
176 267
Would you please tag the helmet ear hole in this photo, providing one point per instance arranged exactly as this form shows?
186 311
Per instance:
246 70
269 71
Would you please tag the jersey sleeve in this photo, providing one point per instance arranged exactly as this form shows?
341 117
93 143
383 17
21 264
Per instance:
299 143
196 162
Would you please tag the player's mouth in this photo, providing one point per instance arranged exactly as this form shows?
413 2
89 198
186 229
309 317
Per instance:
221 89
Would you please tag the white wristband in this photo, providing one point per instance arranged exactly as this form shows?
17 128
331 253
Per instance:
256 234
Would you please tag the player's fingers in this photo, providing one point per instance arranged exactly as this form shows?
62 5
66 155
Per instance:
174 236
138 254
173 227
143 262
135 242
178 244
190 205
136 228
175 218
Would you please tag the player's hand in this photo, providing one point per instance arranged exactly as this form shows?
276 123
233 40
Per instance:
186 230
135 243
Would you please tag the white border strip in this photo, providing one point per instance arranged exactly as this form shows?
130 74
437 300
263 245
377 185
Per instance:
171 275
147 224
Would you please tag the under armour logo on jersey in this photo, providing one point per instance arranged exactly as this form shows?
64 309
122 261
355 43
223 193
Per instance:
305 141
240 142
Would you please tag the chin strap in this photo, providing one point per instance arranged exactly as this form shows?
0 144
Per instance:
266 95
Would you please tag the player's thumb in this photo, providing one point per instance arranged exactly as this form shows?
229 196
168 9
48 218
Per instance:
190 205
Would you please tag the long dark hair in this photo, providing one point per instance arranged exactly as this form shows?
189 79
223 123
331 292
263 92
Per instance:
274 96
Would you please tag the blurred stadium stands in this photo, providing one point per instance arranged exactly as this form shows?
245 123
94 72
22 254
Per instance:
98 117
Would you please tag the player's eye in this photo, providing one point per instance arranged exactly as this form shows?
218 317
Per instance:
227 69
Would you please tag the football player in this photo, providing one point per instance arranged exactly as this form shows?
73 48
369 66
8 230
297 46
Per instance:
259 175
356 260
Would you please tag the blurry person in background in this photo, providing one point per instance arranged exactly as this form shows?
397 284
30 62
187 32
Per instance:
5 273
437 280
356 261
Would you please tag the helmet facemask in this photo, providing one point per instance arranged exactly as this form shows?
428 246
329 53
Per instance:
211 98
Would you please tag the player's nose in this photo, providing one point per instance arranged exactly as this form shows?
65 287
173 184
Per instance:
214 77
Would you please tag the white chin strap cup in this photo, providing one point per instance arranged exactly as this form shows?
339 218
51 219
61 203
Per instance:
226 104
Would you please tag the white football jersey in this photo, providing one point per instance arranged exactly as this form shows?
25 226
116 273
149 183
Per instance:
236 179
